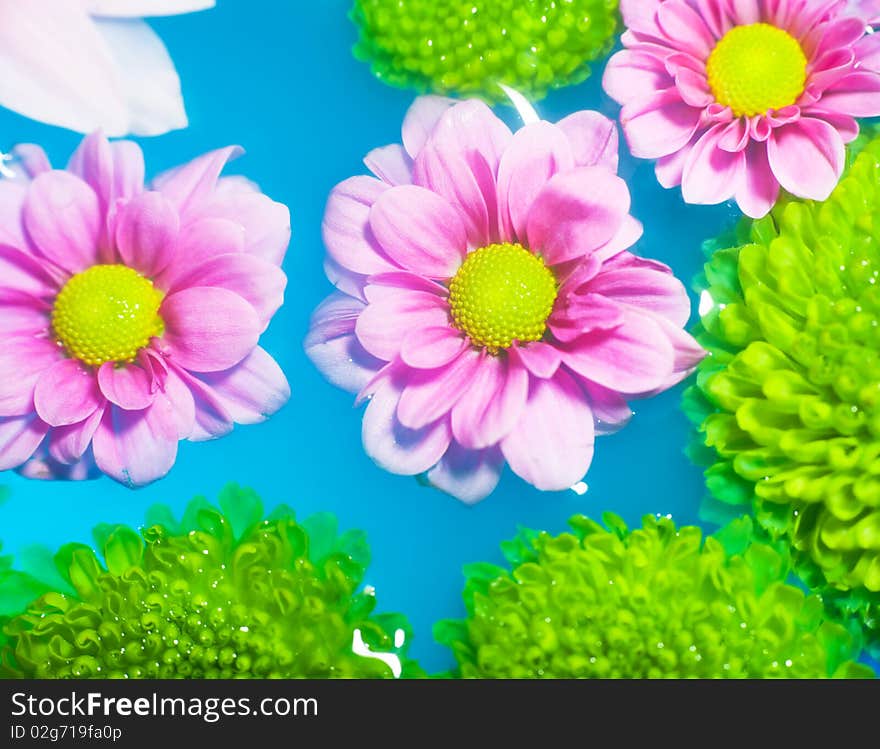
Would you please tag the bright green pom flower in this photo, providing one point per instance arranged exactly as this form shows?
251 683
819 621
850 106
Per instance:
788 402
470 47
226 593
656 602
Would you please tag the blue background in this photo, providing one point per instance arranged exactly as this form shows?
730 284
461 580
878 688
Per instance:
278 77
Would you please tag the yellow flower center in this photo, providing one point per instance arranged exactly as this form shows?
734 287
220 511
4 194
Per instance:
502 293
107 314
756 68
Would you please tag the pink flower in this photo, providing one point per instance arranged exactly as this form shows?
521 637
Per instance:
486 303
90 64
130 317
735 98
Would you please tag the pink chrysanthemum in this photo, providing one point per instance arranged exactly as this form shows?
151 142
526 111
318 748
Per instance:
486 303
129 318
736 98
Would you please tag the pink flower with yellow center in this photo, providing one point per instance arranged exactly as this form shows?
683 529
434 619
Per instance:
130 317
487 305
737 98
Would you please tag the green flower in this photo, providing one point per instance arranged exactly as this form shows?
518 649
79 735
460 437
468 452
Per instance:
225 593
788 402
656 602
470 47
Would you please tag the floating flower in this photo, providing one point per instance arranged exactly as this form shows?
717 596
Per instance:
226 593
787 404
130 317
735 99
487 304
471 47
655 602
89 64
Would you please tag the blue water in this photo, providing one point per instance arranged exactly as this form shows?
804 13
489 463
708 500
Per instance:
278 78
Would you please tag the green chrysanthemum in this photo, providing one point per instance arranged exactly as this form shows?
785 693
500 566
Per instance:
656 602
788 402
470 47
226 593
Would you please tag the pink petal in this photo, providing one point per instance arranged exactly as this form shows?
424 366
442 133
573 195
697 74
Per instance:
430 394
867 51
387 284
42 467
711 175
470 127
26 316
857 95
29 160
186 186
21 273
576 213
694 88
66 393
593 139
419 230
633 358
68 444
429 348
208 329
115 171
146 233
136 447
395 448
347 234
681 23
252 390
257 281
466 180
383 324
421 119
610 411
807 158
56 68
343 279
632 74
467 475
266 223
669 169
127 386
646 285
459 162
641 15
20 436
492 404
190 418
759 188
584 313
627 235
12 198
22 362
552 445
199 242
63 219
392 164
334 349
745 11
536 153
658 125
541 359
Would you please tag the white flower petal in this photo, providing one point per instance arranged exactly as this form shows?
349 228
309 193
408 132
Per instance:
148 77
